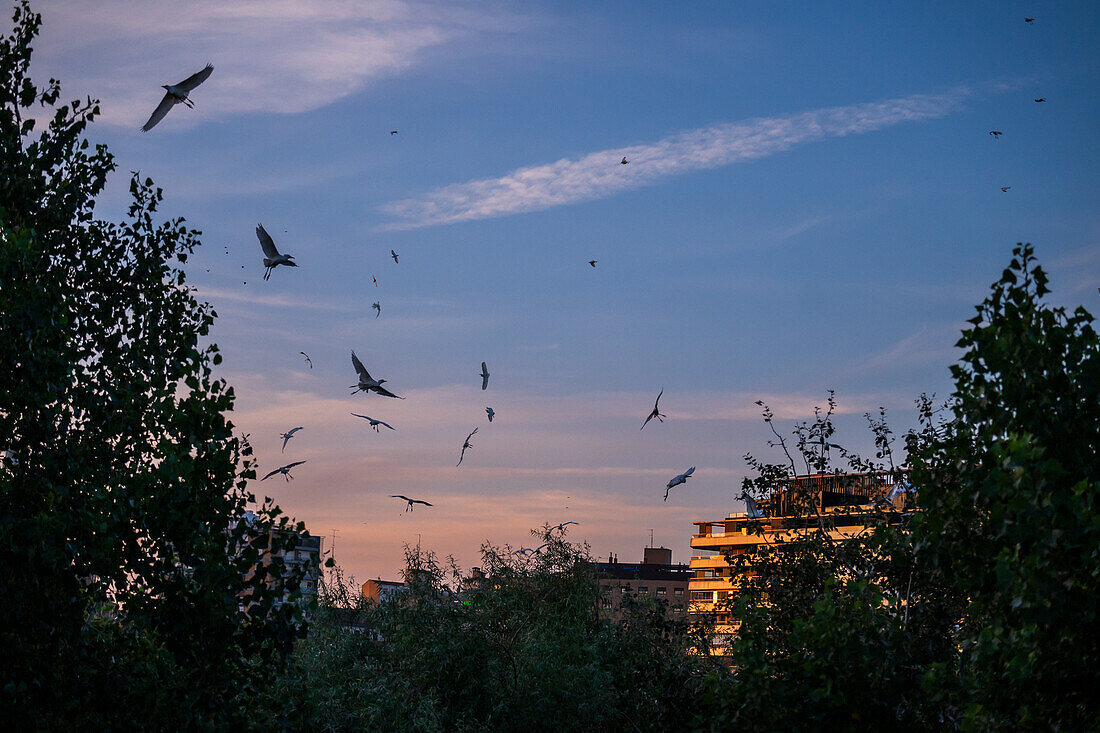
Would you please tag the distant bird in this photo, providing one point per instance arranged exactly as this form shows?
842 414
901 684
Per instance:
1041 99
624 161
394 256
308 360
656 413
484 377
285 470
754 511
372 277
288 435
995 133
1029 20
680 479
377 308
374 423
409 508
465 444
1004 189
272 258
561 527
491 413
393 132
366 382
593 262
175 94
528 551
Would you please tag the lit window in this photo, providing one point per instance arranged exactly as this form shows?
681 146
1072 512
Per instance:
624 588
662 590
643 589
677 591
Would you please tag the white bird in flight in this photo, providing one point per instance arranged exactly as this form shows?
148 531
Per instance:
288 435
484 376
466 444
680 479
366 382
409 508
374 423
175 94
272 258
285 470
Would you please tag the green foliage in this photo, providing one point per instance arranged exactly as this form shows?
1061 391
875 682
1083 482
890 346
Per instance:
1010 517
122 560
523 648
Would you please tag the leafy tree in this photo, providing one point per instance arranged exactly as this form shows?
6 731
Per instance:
123 562
1009 499
523 647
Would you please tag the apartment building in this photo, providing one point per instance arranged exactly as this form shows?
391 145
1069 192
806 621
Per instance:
655 576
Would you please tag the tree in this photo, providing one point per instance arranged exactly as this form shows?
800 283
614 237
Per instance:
123 559
1009 499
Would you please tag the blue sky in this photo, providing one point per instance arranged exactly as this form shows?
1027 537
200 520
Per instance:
813 201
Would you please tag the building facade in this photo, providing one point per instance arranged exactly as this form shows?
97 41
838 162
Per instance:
844 504
655 577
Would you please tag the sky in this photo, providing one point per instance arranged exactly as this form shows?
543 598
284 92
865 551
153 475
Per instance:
812 201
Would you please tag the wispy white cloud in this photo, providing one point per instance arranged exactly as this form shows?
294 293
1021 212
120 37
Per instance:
597 175
269 56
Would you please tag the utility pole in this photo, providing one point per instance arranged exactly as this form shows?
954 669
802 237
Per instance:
651 537
332 550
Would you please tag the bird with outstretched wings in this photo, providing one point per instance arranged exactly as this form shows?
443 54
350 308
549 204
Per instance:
176 94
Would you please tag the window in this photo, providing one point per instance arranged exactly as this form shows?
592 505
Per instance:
662 590
644 589
623 589
701 595
677 591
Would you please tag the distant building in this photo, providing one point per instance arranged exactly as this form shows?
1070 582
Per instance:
654 577
302 558
844 502
382 590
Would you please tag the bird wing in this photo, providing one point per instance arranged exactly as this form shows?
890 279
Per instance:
286 439
386 424
400 496
362 416
158 114
292 431
266 242
648 418
471 434
689 472
385 392
265 478
359 368
195 79
420 501
656 401
292 465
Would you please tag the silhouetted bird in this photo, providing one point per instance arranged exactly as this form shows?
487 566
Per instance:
466 444
1041 99
561 527
624 161
592 262
484 377
175 94
393 255
656 413
393 132
1004 189
308 360
378 308
995 133
1029 20
287 436
366 382
285 470
374 423
409 508
491 413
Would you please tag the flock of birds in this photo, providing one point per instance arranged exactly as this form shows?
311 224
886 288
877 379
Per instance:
272 258
178 94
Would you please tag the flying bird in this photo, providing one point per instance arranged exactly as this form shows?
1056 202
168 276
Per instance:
1041 99
1004 189
995 133
593 262
366 382
465 444
288 435
308 360
680 479
656 412
175 94
1029 20
285 470
624 161
272 258
377 308
528 551
372 277
393 132
561 527
751 507
374 423
394 256
409 508
491 413
484 377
